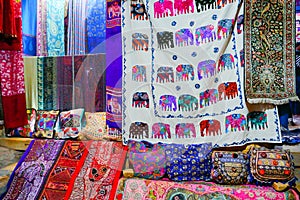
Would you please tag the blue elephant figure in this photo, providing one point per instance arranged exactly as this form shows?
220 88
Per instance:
184 37
208 97
226 61
206 68
140 100
140 41
187 102
205 34
242 58
240 24
168 103
224 28
257 120
185 72
165 74
139 73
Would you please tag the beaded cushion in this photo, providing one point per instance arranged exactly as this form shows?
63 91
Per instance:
187 163
230 167
46 123
271 165
148 160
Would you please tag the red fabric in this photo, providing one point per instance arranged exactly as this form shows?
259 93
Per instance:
1 15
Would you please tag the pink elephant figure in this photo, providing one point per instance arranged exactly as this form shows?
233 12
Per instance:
163 8
208 97
235 122
185 130
161 130
183 7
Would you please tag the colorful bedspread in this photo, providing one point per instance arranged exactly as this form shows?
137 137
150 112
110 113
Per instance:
56 170
183 75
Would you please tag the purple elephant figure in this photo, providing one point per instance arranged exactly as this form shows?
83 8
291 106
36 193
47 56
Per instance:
168 103
185 130
183 7
165 74
163 8
139 73
226 61
240 24
235 122
206 68
227 90
185 72
205 34
224 28
161 130
208 97
184 37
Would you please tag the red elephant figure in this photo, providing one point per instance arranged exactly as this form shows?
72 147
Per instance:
211 127
228 90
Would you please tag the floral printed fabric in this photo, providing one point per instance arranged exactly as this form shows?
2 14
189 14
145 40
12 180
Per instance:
46 124
95 125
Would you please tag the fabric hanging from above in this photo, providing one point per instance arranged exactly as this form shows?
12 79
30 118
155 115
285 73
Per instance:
270 51
30 78
183 75
41 37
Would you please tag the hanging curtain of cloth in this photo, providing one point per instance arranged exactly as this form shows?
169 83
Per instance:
11 64
41 36
29 26
30 77
113 67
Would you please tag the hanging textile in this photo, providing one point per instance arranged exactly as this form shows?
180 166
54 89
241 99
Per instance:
41 37
55 27
12 66
113 67
30 78
77 27
269 51
183 75
29 23
95 26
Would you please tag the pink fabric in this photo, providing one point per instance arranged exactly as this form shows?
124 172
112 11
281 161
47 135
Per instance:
41 38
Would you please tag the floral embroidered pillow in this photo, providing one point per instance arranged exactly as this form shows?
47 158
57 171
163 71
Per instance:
95 128
46 123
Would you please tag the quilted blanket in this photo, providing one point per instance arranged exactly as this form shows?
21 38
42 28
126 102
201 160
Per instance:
183 75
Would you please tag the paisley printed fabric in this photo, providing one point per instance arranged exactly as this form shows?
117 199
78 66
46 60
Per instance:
183 75
269 51
188 163
161 190
148 160
46 123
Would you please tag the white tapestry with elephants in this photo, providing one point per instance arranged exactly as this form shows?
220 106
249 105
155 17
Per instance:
183 71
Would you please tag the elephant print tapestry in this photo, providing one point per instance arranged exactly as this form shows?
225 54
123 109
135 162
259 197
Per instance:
269 51
183 74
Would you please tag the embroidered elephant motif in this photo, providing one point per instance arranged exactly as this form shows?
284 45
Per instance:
139 73
208 97
163 8
139 130
165 74
113 105
206 68
187 102
168 103
183 7
140 41
227 90
161 131
138 10
242 58
222 3
224 28
211 127
235 122
240 24
114 10
184 72
226 61
184 37
257 120
203 5
140 100
165 40
185 130
205 34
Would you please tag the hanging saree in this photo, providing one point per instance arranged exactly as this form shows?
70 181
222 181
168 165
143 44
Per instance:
41 37
30 78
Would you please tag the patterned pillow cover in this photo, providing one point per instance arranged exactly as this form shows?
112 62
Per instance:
148 160
188 163
70 123
230 167
269 166
46 123
95 128
27 130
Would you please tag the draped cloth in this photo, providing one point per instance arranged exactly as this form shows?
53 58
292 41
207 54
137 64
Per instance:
41 37
30 78
269 51
183 75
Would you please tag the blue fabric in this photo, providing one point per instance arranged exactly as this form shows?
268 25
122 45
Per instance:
29 26
189 163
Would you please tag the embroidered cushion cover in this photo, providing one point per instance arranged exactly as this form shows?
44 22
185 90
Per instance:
95 128
46 123
230 167
187 163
